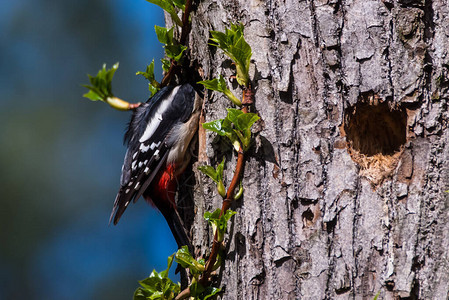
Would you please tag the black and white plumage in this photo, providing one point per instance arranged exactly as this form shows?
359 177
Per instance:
158 138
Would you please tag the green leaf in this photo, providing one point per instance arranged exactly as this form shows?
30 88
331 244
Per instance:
169 263
175 51
220 169
212 216
221 189
165 64
240 192
210 292
234 45
152 283
229 213
219 84
245 121
141 294
242 123
224 128
242 57
153 90
100 85
153 86
215 174
185 259
216 126
243 138
92 95
219 224
196 289
164 35
179 4
209 171
213 219
167 5
233 114
216 84
158 285
148 73
219 39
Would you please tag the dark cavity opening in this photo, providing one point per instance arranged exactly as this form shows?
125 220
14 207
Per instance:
375 128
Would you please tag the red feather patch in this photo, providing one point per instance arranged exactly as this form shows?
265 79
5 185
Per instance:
163 187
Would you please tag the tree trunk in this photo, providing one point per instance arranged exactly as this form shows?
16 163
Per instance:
344 188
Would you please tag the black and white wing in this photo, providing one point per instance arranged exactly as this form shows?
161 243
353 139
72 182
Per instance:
149 143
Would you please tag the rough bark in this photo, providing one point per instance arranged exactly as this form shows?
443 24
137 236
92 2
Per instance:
314 222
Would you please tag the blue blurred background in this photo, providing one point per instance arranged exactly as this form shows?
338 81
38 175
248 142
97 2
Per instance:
61 154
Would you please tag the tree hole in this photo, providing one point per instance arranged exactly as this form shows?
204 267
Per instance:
375 134
376 128
307 218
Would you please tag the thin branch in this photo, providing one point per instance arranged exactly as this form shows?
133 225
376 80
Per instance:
167 78
121 104
184 34
225 206
186 22
204 280
247 100
183 295
134 105
234 183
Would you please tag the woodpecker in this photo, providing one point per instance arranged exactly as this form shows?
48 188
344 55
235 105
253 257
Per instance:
158 139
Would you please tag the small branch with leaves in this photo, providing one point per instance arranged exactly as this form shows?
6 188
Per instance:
101 90
236 127
100 85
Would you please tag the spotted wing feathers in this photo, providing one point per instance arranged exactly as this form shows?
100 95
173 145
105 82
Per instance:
149 143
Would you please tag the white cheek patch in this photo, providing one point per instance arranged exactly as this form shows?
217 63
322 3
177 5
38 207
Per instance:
154 122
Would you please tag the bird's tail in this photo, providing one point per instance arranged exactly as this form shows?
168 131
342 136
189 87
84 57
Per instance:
174 221
178 229
162 195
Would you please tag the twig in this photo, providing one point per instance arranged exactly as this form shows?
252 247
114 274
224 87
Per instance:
121 104
185 22
247 100
167 78
184 34
225 206
183 295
